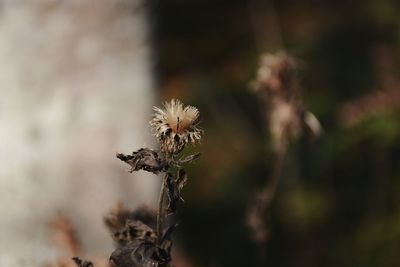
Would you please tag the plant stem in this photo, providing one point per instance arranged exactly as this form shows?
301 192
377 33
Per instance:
258 224
160 213
271 186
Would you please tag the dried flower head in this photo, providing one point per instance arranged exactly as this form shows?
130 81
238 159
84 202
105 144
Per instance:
276 73
175 126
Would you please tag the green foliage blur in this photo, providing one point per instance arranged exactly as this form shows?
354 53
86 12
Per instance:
338 200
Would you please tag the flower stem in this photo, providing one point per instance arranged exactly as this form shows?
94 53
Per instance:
160 213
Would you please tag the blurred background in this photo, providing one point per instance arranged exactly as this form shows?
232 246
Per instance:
78 80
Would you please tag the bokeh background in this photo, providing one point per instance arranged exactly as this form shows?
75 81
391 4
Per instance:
79 78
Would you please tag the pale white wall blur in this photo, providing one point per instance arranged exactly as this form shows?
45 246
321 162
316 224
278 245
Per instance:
75 87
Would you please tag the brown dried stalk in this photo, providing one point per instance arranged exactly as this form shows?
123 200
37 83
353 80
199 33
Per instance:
277 87
140 236
175 126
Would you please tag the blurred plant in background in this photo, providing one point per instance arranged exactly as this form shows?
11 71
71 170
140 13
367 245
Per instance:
337 202
278 89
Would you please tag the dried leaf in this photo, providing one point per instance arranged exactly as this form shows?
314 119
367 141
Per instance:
118 216
166 241
144 159
133 231
181 180
174 188
140 254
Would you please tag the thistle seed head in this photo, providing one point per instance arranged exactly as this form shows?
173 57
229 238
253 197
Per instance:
175 126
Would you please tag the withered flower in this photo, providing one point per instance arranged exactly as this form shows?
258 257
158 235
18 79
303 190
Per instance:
276 74
175 126
278 88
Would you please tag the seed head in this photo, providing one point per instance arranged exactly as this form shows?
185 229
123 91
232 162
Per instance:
175 126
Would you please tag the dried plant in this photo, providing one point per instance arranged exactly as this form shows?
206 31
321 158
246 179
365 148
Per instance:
277 87
141 237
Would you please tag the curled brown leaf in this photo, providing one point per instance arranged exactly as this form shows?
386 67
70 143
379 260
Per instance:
144 159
